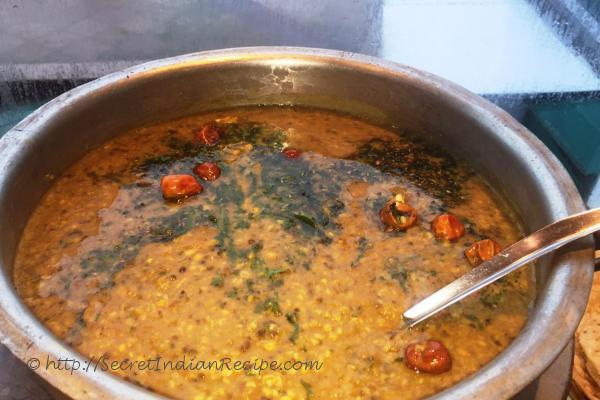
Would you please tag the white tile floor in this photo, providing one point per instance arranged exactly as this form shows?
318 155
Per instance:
487 46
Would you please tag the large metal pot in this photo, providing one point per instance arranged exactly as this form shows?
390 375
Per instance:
510 157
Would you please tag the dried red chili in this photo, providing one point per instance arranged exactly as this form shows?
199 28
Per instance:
179 186
207 171
482 251
447 227
397 215
431 357
209 134
291 152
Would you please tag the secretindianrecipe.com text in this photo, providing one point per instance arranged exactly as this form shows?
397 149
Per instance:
160 364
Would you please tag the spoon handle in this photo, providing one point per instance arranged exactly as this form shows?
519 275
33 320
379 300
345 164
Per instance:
541 242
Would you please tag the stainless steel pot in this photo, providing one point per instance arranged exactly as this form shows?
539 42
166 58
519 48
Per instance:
510 157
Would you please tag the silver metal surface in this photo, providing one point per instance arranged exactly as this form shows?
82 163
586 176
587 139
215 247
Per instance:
506 154
526 250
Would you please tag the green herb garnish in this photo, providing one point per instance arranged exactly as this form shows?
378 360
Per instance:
397 272
475 322
363 245
308 389
292 318
306 220
271 305
272 274
218 281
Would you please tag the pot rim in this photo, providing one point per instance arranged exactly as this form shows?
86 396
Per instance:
27 337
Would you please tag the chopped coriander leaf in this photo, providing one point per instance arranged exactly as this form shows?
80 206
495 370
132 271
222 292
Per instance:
271 305
217 281
308 389
292 318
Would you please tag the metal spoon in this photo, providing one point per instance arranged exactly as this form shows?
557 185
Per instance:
541 242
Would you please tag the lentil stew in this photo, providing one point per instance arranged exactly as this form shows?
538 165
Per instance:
272 233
